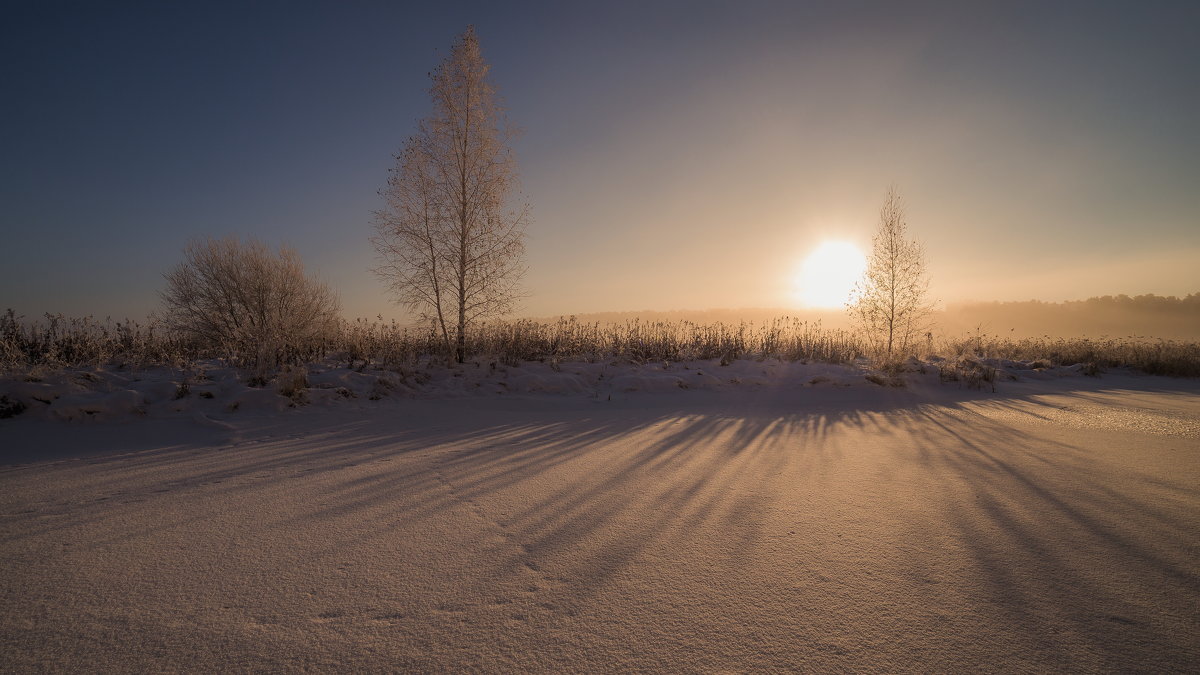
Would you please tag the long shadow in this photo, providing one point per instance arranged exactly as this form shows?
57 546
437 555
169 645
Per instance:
1060 541
1050 533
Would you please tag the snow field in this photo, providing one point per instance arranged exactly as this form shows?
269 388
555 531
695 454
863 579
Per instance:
771 524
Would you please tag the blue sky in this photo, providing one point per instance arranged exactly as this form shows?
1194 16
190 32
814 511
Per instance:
676 155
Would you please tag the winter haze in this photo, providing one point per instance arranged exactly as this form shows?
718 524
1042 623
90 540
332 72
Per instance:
677 156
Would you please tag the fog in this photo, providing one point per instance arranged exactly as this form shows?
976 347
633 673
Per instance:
1119 316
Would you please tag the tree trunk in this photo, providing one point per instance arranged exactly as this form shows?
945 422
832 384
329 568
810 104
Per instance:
457 172
464 159
460 350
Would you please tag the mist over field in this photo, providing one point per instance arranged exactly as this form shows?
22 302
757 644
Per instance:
1145 316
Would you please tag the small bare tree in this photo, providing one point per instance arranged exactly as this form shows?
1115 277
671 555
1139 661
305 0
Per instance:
890 302
451 248
257 307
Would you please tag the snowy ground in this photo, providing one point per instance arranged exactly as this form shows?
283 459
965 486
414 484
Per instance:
592 517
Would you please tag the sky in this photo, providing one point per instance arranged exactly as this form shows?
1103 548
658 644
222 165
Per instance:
676 155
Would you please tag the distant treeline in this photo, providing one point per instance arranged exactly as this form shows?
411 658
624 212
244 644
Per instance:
1114 316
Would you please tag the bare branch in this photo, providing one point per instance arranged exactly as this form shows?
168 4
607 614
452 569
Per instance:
259 308
890 302
450 247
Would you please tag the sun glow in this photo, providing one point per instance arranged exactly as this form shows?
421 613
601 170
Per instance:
827 276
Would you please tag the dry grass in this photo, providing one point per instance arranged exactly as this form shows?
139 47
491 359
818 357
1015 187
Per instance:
58 342
636 341
1154 356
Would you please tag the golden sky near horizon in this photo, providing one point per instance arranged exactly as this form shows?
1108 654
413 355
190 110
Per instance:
672 159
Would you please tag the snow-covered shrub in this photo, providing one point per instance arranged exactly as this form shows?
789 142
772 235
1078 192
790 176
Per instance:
256 308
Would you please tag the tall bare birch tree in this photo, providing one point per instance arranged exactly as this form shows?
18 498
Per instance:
450 243
890 302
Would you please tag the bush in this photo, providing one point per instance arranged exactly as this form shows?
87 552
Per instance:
256 308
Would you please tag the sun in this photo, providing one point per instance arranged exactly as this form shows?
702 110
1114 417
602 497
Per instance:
827 276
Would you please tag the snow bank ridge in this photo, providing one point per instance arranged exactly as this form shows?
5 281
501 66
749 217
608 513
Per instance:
215 389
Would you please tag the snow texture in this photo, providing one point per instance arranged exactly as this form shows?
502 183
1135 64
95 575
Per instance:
760 516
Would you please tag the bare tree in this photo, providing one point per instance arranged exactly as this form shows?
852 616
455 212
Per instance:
257 307
890 302
451 247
